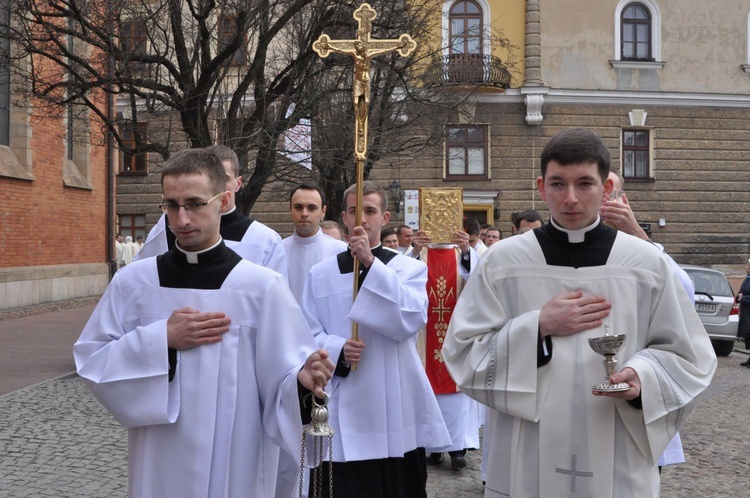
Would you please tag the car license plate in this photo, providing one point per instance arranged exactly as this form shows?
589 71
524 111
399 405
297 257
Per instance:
705 308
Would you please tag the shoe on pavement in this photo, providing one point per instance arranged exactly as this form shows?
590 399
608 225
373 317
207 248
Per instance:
745 363
435 459
458 462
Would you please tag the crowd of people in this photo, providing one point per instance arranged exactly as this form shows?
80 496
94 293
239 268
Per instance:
216 337
126 250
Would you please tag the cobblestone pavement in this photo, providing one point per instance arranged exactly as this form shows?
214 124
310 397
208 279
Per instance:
57 441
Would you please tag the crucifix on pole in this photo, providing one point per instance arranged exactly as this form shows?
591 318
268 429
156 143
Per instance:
362 49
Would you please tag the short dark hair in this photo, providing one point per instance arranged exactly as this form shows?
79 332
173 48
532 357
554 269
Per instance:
367 189
196 162
401 229
495 229
471 226
309 186
386 232
576 146
529 215
485 226
226 154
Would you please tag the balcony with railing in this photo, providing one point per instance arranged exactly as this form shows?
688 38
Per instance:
468 70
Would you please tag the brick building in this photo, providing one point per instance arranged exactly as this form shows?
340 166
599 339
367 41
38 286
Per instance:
53 215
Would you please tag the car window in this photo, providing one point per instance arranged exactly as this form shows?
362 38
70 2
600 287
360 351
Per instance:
712 283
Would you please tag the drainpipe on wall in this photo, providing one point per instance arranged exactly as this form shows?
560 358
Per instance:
110 168
110 195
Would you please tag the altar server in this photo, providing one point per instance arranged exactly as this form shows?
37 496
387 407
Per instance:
202 355
308 245
249 238
384 413
518 343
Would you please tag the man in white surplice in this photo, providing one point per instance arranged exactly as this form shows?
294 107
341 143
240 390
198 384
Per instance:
517 342
306 247
202 355
249 238
384 414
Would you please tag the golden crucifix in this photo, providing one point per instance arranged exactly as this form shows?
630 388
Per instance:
362 49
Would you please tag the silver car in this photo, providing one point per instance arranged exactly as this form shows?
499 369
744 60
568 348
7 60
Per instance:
715 304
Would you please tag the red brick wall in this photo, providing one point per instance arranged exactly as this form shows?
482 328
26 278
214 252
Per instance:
43 222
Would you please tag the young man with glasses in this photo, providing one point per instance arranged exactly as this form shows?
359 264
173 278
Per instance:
249 238
189 351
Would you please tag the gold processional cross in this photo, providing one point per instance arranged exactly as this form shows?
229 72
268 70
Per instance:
362 49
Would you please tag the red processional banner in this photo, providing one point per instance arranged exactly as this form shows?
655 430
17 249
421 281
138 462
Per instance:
442 291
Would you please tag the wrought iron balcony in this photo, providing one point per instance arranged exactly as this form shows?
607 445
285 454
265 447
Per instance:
468 70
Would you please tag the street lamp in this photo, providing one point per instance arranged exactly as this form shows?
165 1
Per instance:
395 189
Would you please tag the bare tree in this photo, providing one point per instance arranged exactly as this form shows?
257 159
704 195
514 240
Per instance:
240 72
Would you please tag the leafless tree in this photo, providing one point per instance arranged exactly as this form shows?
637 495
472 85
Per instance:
239 72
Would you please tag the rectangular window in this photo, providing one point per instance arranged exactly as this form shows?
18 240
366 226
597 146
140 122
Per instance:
636 154
134 45
466 152
227 33
131 224
133 161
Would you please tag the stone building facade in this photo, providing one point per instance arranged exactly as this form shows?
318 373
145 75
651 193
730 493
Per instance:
665 82
685 100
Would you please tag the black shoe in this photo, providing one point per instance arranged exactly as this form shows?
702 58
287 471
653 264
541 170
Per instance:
745 363
435 459
458 462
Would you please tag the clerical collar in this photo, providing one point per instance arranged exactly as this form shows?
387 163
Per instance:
576 236
307 240
376 251
346 260
234 208
195 257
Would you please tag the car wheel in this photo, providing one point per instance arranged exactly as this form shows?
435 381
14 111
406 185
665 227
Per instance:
723 348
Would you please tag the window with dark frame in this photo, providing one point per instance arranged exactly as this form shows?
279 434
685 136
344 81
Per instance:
466 152
134 45
636 154
227 33
133 162
465 28
636 33
131 224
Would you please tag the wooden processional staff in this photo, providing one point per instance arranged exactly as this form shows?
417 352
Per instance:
362 49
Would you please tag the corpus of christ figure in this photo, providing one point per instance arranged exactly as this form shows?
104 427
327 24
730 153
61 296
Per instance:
363 49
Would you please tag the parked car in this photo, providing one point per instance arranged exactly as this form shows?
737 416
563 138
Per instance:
716 306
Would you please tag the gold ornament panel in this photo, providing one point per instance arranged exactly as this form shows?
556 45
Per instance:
441 212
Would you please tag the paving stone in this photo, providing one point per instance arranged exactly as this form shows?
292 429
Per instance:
56 441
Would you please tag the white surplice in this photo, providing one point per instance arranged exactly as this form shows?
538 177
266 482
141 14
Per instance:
260 245
202 434
550 436
302 253
386 407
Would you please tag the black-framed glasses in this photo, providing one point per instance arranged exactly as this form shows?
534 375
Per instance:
171 207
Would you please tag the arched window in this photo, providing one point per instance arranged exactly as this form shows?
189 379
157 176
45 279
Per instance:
636 33
466 28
